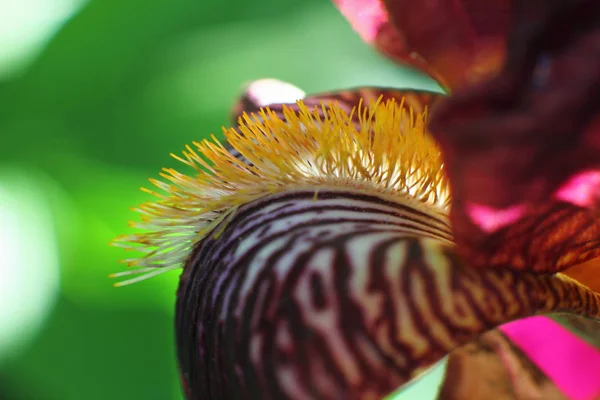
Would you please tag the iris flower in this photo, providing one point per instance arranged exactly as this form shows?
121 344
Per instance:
338 245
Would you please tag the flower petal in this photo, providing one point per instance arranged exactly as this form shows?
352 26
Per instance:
452 41
274 94
493 368
370 19
546 237
264 92
521 150
462 41
574 361
514 362
588 272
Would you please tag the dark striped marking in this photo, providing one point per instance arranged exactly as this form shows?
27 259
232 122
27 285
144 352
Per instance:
345 297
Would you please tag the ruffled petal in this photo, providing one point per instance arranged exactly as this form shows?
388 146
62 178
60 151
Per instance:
454 42
522 150
462 41
546 237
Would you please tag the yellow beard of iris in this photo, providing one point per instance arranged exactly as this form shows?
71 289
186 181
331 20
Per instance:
381 148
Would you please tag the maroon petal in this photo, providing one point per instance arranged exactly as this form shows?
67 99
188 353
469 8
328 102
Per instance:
462 41
522 150
370 19
453 41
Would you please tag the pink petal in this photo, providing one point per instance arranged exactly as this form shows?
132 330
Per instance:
490 219
367 17
582 189
571 363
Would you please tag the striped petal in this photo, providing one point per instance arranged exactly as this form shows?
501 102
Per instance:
337 293
326 267
521 149
453 41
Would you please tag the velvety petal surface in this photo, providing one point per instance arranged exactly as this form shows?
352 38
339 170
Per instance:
522 149
453 41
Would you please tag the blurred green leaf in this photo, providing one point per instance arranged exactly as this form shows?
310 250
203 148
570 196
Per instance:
98 353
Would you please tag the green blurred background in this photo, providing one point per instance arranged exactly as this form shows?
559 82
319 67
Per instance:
94 95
